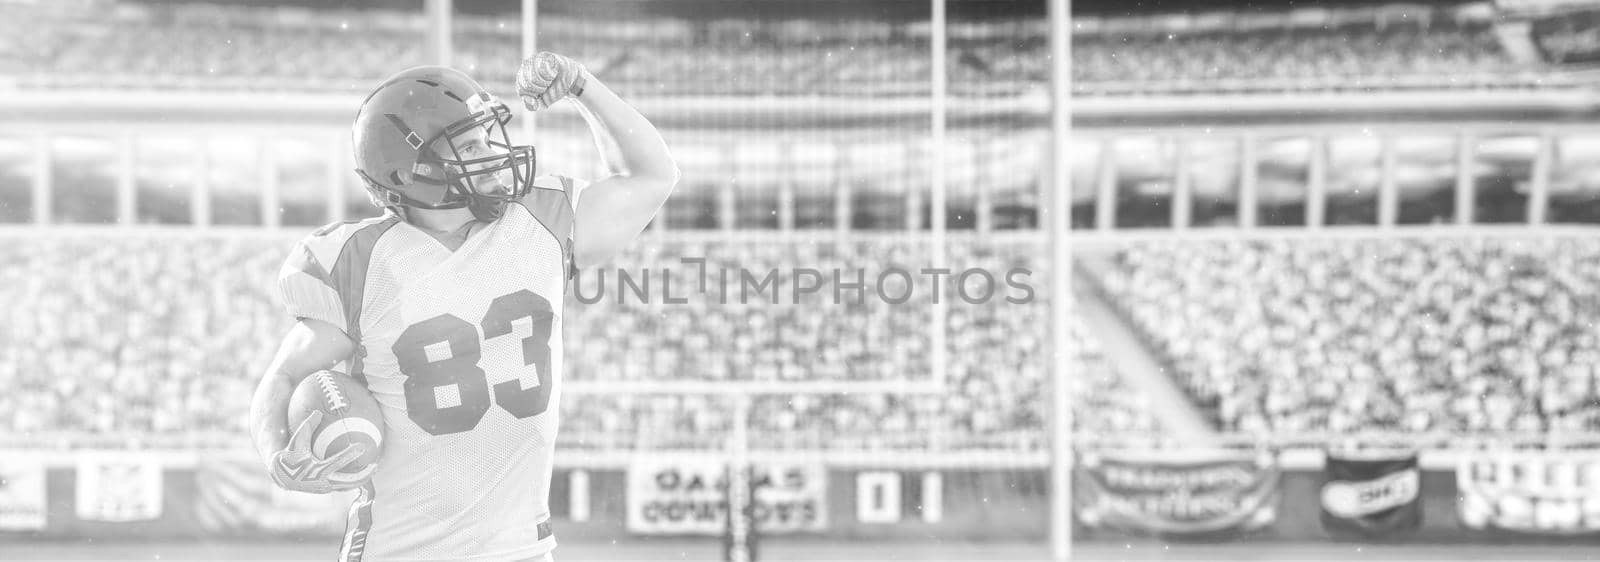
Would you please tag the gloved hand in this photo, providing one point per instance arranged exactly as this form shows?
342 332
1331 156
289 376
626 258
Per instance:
547 78
296 468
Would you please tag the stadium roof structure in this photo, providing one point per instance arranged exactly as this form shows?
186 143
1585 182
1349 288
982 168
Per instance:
889 10
1153 7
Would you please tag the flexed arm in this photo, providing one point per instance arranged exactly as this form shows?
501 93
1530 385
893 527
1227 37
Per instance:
613 210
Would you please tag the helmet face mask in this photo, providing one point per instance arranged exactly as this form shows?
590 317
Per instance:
429 137
461 174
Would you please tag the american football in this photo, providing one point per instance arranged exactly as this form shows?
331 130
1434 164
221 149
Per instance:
349 415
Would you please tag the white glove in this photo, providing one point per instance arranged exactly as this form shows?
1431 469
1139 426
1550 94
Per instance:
295 468
547 78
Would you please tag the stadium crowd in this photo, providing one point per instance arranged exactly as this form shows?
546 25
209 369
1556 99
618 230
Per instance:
164 334
158 48
1446 335
849 336
210 47
995 388
138 334
1360 57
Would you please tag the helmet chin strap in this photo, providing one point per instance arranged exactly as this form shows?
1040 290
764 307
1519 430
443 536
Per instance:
487 209
396 198
386 196
484 208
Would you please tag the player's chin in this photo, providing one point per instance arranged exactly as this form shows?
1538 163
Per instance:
495 187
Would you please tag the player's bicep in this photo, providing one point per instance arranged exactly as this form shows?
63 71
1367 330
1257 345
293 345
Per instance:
310 346
612 212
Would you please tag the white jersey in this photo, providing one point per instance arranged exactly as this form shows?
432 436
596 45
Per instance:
463 352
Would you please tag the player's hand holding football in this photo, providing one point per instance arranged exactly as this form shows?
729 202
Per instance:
547 78
296 468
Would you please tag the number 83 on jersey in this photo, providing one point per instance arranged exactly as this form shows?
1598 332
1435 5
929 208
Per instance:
426 377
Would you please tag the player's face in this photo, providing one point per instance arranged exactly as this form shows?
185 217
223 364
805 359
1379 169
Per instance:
474 144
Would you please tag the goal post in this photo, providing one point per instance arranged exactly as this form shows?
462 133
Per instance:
1059 219
740 542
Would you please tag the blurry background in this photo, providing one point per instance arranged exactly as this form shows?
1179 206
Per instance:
1294 227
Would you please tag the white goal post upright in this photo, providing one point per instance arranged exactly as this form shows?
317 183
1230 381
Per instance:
440 45
1059 218
530 47
936 166
740 497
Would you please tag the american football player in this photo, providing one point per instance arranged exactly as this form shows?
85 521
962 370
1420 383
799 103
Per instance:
448 307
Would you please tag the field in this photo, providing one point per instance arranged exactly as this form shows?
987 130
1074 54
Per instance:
808 550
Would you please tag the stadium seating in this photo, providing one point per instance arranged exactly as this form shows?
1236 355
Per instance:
1447 335
996 353
1352 57
137 334
203 47
164 334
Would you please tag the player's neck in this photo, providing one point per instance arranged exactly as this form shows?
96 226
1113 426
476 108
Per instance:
451 227
439 220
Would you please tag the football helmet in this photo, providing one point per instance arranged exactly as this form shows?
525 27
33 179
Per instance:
408 136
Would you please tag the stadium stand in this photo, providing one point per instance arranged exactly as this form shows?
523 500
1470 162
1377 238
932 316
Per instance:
140 334
771 338
159 335
206 47
1352 57
1445 335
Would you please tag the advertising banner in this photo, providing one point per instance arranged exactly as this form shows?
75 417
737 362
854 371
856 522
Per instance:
235 496
688 497
1536 492
118 487
1167 494
22 494
1371 494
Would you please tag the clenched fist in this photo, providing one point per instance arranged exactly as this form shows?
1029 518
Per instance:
547 78
297 469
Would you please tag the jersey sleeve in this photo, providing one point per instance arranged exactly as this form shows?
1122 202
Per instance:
554 203
307 290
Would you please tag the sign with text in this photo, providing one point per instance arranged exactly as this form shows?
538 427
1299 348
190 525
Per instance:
689 497
1170 494
1371 494
118 487
1547 493
22 504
